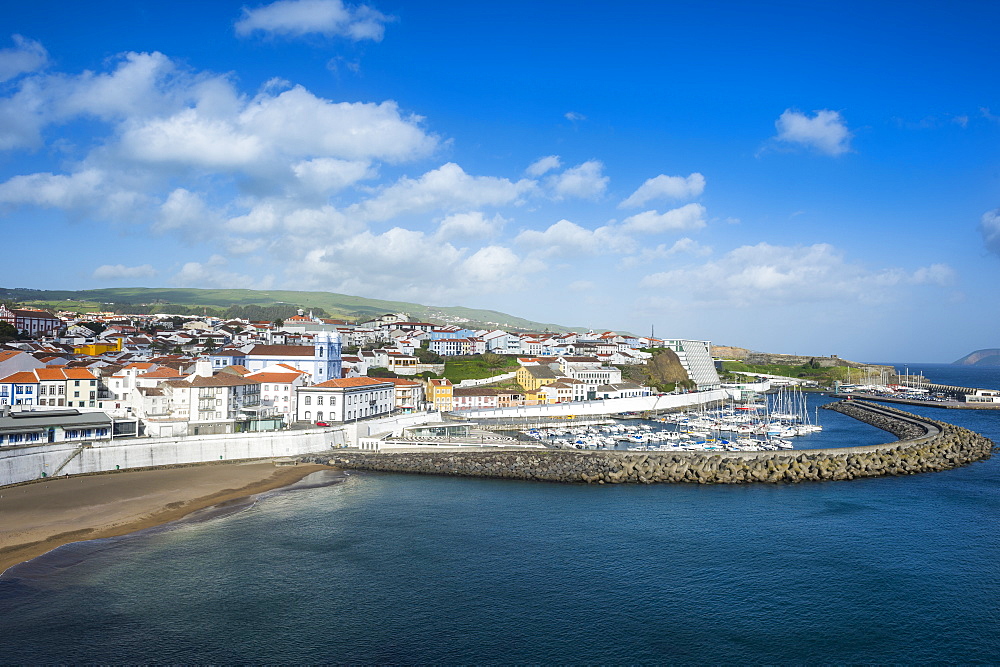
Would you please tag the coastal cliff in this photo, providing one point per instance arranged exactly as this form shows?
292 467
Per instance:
927 446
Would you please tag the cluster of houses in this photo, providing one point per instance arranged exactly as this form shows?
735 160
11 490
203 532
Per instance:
174 376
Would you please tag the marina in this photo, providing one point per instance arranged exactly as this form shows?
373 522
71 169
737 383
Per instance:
751 426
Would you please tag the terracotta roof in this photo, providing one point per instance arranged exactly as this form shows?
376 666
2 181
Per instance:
475 391
400 382
79 374
287 378
50 373
348 383
161 372
4 356
23 377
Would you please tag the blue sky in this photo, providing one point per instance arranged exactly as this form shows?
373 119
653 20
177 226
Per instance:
791 178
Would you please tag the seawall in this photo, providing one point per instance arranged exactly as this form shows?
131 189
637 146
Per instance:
21 464
926 446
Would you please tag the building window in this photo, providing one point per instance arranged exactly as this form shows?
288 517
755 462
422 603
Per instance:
319 415
308 401
319 400
307 415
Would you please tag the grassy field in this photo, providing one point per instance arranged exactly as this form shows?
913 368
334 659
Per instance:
824 376
473 368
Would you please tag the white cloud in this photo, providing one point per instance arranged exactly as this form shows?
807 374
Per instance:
26 56
585 181
826 131
684 246
492 265
690 216
186 212
78 190
543 165
214 274
122 272
573 116
567 238
446 188
190 139
324 176
403 263
472 225
989 227
268 131
296 18
672 187
769 275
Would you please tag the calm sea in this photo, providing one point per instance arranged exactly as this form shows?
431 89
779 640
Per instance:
407 569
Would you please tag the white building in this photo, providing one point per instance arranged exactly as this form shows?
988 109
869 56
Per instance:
321 360
346 399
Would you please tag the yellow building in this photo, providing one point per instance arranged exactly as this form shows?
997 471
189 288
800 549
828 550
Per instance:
534 376
440 394
97 349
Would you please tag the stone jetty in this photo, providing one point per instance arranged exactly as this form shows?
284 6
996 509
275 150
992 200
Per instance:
926 445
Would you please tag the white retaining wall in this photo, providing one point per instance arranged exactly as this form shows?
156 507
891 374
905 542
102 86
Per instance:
21 464
490 380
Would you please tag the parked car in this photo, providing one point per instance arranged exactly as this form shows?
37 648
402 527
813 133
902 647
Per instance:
322 423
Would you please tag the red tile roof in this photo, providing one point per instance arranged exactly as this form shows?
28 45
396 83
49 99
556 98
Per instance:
347 383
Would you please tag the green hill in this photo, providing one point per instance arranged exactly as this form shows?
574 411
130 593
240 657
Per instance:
340 306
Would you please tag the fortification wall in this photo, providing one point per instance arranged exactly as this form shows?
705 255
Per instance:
929 446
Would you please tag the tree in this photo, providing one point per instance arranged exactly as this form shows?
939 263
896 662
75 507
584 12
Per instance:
380 372
7 332
493 360
426 356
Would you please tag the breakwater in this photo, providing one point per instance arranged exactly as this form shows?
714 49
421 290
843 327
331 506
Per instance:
926 446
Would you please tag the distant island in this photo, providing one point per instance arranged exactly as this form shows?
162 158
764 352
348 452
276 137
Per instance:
987 357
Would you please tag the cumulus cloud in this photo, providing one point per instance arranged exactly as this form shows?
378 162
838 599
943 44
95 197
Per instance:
777 275
543 166
586 181
446 188
567 238
472 225
666 187
271 129
215 274
295 18
826 131
26 56
989 227
573 116
385 264
690 216
122 272
186 212
684 246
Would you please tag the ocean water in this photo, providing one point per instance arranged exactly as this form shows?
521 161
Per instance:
410 569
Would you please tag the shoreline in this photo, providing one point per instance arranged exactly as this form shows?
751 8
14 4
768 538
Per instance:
39 517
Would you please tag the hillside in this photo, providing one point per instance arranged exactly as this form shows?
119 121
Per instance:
986 357
341 306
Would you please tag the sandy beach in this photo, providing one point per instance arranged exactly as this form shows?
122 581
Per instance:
36 518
